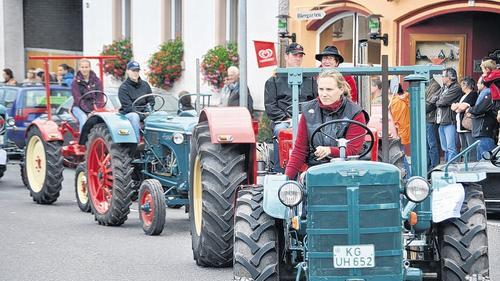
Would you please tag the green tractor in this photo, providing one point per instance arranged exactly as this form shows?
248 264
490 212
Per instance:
357 220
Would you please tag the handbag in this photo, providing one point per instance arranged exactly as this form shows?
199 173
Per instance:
467 122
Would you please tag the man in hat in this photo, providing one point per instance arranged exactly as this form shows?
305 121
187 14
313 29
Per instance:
130 90
278 95
330 57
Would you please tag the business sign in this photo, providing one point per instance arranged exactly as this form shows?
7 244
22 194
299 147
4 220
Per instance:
311 15
265 53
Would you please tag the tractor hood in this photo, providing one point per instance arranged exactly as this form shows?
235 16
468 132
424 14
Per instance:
165 122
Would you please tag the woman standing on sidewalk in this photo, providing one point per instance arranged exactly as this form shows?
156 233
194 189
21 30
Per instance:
467 100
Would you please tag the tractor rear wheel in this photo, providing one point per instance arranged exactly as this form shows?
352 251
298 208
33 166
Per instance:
255 239
463 241
24 177
109 180
216 171
81 188
396 156
44 167
152 207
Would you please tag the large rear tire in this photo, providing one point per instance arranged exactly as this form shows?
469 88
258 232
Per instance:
152 207
109 171
24 177
81 188
216 171
463 241
44 167
255 239
396 156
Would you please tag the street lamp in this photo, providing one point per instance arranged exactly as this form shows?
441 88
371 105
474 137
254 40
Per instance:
375 29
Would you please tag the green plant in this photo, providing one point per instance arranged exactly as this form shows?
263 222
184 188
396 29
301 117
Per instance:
123 50
265 129
215 63
165 65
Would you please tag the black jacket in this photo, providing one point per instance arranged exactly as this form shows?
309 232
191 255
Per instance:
278 96
234 98
431 96
130 91
447 96
484 123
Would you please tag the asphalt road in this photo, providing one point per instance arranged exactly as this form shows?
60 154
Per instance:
59 242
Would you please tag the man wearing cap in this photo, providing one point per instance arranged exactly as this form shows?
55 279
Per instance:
278 95
330 57
130 90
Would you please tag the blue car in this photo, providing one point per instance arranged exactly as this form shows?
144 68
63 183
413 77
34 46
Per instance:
26 103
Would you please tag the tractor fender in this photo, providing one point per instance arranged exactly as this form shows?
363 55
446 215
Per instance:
272 204
48 128
229 124
118 125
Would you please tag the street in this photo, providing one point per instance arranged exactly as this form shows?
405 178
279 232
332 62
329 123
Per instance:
58 242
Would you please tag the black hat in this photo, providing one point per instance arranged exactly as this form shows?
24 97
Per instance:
330 51
295 48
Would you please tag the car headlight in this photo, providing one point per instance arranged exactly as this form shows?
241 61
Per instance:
417 189
178 138
290 193
11 121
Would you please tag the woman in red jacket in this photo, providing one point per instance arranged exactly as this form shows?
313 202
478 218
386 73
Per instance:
333 103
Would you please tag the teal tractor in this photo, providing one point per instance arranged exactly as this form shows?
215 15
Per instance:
358 220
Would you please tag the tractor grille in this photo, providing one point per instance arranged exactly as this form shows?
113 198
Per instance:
353 203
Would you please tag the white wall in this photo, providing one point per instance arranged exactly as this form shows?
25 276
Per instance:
2 35
11 38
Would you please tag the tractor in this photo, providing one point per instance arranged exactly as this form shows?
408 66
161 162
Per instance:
50 141
348 219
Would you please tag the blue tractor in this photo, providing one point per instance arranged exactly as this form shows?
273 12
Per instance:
358 220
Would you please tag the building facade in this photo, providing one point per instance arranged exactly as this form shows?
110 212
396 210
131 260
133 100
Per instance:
456 33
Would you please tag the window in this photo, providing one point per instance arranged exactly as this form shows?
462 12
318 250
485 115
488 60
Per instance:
232 21
9 98
36 98
176 23
126 18
121 19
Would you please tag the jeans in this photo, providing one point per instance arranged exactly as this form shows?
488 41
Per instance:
80 116
277 128
447 135
432 146
466 140
135 121
485 144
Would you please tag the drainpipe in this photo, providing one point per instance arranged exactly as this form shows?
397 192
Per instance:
242 51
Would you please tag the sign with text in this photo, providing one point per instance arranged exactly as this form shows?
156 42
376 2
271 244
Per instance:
266 55
311 15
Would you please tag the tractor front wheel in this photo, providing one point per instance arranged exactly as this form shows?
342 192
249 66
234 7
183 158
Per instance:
81 188
216 171
44 167
152 207
109 180
463 241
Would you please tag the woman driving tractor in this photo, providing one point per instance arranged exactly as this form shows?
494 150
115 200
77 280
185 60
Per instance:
333 103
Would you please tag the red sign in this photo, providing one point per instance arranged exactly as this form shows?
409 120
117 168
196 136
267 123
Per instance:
266 55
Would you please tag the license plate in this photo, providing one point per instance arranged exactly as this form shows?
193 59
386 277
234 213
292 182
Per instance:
354 256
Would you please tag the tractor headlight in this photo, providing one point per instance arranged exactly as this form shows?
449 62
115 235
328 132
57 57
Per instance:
178 138
417 189
11 122
290 193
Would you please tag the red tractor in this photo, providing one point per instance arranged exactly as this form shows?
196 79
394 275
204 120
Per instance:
50 141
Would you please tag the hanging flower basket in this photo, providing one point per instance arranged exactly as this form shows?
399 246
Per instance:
216 62
117 67
165 66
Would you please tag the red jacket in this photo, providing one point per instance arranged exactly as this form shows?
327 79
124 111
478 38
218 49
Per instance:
354 89
492 81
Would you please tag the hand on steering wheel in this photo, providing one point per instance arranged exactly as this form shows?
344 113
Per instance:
93 97
147 108
341 141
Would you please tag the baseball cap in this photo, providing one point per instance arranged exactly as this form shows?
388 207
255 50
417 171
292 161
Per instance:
295 48
133 65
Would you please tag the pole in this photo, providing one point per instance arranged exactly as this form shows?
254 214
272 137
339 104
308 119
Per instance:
283 15
242 50
47 88
198 86
385 109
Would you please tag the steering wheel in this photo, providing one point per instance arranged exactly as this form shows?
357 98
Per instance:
142 108
93 98
333 122
495 156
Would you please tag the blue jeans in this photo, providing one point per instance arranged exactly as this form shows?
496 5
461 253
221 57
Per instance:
432 146
447 135
485 144
135 121
277 128
80 116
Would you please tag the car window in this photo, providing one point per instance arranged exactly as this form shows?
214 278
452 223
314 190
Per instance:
36 98
9 97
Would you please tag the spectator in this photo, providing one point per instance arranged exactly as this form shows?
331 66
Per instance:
376 108
64 76
483 120
330 57
450 93
399 106
31 76
431 95
278 95
85 81
232 93
491 78
185 102
8 77
468 99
